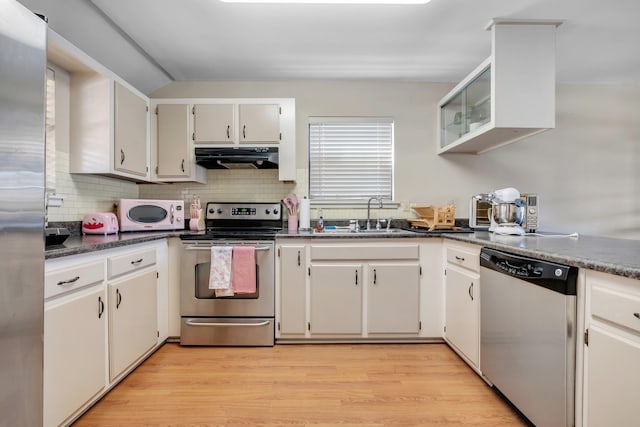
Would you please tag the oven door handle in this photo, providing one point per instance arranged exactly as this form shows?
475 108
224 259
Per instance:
208 248
250 325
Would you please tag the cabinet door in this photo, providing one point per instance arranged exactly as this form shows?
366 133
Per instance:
130 132
260 123
173 141
133 318
612 379
336 299
393 296
293 295
74 353
213 123
461 312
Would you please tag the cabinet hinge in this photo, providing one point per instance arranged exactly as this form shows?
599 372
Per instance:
193 136
445 329
420 325
420 272
278 325
158 334
147 107
280 136
147 168
156 110
309 270
445 271
157 274
156 170
193 109
280 110
278 252
586 337
309 326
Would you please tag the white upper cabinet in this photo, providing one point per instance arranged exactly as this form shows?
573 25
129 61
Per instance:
510 96
214 123
172 147
259 123
108 118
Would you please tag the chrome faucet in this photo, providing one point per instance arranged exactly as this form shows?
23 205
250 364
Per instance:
379 199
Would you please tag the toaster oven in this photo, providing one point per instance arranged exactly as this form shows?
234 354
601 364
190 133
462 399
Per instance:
480 218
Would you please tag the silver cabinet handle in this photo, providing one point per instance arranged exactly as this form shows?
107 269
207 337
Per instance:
182 165
375 276
244 131
298 258
471 291
68 282
138 261
121 156
118 298
195 323
356 277
459 258
228 131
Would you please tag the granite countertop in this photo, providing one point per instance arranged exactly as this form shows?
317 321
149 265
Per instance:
615 256
75 245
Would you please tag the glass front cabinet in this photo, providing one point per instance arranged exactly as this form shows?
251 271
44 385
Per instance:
468 110
509 96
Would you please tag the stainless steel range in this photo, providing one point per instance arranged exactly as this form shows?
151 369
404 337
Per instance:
240 319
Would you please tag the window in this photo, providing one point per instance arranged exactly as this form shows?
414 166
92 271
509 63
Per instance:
350 158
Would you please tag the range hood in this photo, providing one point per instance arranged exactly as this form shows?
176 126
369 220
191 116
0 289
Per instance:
237 157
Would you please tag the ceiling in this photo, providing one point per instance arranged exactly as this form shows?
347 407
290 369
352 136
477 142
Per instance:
441 41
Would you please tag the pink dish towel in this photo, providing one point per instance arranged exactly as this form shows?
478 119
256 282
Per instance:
220 273
243 271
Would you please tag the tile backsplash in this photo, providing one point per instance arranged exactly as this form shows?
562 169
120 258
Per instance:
86 193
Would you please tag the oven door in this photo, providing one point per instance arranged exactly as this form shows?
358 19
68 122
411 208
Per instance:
197 300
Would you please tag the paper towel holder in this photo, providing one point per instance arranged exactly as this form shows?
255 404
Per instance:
304 215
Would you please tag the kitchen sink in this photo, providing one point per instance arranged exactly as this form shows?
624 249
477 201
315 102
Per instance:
344 231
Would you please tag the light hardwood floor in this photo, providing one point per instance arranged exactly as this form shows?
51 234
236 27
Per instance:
300 385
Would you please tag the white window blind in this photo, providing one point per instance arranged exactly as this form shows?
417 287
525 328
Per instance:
350 158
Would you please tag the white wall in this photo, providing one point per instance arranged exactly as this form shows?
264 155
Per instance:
584 170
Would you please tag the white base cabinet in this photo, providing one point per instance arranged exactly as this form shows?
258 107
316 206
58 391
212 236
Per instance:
611 351
352 290
75 352
133 327
104 312
462 300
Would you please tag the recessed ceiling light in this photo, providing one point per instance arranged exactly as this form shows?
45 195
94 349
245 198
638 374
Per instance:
332 1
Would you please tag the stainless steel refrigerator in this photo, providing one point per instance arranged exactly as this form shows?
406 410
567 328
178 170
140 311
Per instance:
22 162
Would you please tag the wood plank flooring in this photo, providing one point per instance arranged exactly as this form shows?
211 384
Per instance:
303 385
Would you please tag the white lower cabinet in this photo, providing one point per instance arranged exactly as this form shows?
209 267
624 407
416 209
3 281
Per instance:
349 290
292 292
393 302
462 300
336 299
611 351
74 352
133 326
101 317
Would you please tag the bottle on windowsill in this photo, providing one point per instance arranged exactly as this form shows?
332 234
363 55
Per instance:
320 223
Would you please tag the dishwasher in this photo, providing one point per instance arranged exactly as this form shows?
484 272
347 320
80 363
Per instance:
528 334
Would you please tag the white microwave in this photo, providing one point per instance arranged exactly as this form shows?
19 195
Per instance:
150 215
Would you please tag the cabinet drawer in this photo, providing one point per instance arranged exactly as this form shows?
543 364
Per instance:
60 281
464 258
623 310
331 252
123 264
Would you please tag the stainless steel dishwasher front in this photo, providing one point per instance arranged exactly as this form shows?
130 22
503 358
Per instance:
528 334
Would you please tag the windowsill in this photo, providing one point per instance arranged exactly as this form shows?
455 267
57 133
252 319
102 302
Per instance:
353 205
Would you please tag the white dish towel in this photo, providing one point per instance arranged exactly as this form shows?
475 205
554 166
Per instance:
220 273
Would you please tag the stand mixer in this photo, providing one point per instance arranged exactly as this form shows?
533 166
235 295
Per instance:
507 212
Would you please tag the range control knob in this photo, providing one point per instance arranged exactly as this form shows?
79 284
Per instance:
267 211
275 211
219 211
212 211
